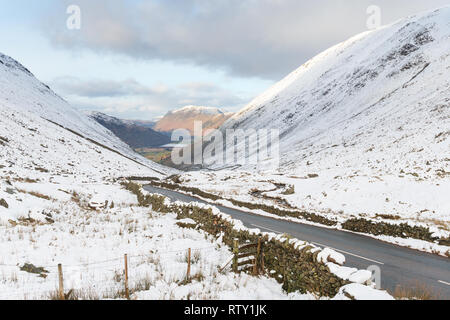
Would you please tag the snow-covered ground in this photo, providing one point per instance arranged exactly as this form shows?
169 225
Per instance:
90 245
55 166
49 175
340 201
364 128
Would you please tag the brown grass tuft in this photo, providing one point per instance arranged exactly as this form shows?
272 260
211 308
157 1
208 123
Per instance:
417 291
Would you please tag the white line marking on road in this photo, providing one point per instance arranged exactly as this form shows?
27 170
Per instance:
322 245
444 282
260 227
349 253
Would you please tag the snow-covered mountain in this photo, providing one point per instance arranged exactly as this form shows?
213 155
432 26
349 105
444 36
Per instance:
135 134
56 166
60 204
378 103
41 132
364 128
184 118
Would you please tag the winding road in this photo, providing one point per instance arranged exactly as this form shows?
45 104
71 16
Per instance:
399 266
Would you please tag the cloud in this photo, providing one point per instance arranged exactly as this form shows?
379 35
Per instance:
105 88
250 38
130 98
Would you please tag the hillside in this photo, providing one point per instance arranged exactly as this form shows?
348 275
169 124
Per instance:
184 118
63 208
364 128
60 203
135 134
35 120
46 142
377 102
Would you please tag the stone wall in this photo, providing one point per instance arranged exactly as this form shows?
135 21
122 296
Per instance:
293 263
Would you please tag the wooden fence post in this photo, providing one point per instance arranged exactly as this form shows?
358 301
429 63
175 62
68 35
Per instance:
188 274
236 255
256 265
61 283
262 259
127 292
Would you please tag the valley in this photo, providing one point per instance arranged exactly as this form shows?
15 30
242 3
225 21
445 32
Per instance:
351 202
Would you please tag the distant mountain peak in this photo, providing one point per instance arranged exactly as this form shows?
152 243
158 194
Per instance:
185 118
198 110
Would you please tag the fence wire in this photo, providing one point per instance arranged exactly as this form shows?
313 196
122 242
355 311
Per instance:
81 276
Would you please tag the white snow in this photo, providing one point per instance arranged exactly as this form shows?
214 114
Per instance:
365 129
91 246
350 274
359 292
328 255
332 259
26 104
49 179
198 110
239 185
187 221
370 117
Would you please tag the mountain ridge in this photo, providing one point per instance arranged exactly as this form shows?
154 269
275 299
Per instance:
35 111
347 92
134 134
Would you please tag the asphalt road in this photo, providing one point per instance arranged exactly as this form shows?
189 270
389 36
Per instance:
399 266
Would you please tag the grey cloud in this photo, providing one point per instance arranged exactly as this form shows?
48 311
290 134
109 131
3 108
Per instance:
252 38
104 88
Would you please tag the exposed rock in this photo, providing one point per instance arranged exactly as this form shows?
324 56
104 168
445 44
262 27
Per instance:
3 203
30 268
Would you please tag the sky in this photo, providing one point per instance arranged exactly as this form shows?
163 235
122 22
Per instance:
139 59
